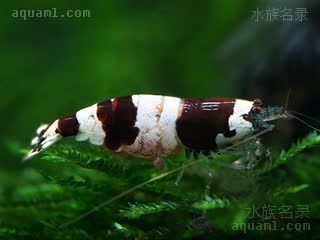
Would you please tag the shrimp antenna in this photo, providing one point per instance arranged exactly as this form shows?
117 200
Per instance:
304 122
306 116
301 114
132 189
287 98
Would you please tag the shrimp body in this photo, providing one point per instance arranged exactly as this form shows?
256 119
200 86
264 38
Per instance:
153 127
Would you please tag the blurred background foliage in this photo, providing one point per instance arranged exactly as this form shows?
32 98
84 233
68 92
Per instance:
51 67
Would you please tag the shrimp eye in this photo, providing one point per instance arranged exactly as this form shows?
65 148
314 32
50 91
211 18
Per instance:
245 116
256 110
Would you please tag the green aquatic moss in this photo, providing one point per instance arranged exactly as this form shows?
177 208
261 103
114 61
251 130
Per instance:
72 178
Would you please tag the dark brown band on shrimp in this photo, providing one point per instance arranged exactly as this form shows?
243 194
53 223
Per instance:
202 120
68 126
118 118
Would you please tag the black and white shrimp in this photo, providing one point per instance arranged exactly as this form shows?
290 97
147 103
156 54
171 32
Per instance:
152 127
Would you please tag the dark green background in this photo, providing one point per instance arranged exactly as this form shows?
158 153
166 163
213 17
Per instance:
51 67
